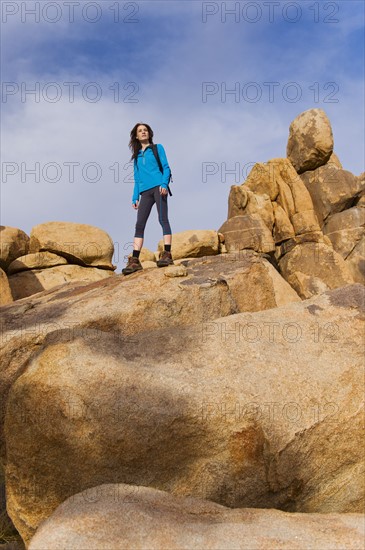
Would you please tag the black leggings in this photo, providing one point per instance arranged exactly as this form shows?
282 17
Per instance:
148 199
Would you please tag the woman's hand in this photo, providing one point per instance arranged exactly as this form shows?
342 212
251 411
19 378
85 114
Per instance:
163 191
135 205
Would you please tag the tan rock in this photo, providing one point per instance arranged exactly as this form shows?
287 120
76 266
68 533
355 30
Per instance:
192 244
81 244
262 181
345 229
143 301
360 200
312 237
122 515
247 232
237 200
248 398
254 204
332 190
305 222
355 261
176 271
283 228
312 268
13 243
310 142
335 161
148 264
284 172
38 260
6 296
27 283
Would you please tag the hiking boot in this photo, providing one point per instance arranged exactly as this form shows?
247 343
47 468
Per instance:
133 265
165 259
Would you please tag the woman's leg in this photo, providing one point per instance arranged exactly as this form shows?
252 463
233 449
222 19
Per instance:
165 256
161 203
144 209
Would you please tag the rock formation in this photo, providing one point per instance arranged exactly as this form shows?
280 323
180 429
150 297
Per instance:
54 254
312 223
233 378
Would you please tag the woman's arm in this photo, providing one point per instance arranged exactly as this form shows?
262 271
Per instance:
136 183
165 166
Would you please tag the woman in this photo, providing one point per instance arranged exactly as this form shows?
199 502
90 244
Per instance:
152 185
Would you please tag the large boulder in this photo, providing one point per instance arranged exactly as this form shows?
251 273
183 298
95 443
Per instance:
13 243
6 296
38 260
255 409
79 243
345 229
313 267
355 261
310 142
332 190
126 516
247 232
32 281
193 244
215 286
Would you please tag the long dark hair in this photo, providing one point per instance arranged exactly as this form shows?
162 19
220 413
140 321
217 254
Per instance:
134 144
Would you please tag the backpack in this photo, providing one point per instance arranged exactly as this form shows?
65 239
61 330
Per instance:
157 157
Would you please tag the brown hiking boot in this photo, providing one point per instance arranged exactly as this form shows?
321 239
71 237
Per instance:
133 265
165 259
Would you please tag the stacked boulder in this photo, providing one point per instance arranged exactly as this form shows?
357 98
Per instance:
55 253
310 223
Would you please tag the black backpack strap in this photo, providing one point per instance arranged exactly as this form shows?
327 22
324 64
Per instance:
157 157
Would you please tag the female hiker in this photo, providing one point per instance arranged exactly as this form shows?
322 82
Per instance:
152 185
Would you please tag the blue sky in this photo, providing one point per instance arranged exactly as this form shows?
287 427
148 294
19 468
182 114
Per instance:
281 57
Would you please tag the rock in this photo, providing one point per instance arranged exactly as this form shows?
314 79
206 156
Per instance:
148 264
247 232
251 410
310 142
312 237
345 229
332 190
38 260
283 228
81 244
313 267
355 262
360 199
256 205
237 200
6 296
141 302
334 161
176 271
295 211
27 283
122 516
13 243
261 180
193 244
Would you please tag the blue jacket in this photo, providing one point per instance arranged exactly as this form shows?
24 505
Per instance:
147 173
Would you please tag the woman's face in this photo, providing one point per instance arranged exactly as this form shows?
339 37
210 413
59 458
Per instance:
142 133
